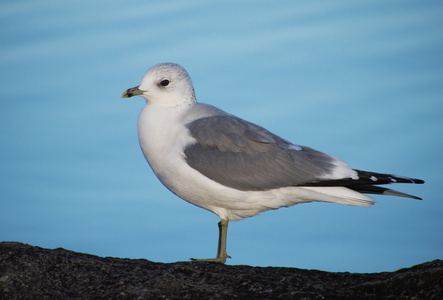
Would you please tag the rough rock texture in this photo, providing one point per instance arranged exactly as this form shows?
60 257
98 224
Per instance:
28 272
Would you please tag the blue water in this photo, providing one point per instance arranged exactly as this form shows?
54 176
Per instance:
360 81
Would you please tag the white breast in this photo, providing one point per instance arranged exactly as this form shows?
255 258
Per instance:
161 137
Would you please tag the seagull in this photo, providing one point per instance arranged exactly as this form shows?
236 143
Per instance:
235 168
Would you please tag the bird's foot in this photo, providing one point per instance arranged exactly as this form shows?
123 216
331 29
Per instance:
221 259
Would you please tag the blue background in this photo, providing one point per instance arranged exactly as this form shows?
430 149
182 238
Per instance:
362 81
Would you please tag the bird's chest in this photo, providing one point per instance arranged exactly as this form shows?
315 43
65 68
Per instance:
162 137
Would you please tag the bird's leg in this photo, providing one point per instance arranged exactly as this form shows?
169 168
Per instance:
222 255
222 238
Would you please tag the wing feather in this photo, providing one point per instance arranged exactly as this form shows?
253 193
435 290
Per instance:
245 156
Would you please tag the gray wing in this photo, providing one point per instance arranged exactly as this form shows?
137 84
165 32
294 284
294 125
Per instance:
244 156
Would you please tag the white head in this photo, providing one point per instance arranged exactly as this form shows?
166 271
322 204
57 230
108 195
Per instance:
165 84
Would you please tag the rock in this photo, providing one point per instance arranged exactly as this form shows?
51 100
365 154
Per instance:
28 272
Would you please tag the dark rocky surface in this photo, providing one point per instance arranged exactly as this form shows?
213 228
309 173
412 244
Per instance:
28 272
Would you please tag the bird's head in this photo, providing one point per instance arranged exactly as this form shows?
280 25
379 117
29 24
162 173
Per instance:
165 84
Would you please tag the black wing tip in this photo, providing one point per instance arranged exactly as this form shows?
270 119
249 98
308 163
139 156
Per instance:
418 181
382 178
400 194
408 196
378 190
411 180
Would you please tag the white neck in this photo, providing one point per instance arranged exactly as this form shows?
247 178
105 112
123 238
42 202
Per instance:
156 126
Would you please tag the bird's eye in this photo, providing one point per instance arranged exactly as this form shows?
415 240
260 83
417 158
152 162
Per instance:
164 82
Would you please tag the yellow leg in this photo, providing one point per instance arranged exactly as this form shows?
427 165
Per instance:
222 255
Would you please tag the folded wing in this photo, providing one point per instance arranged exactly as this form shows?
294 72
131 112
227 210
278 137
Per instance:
245 156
